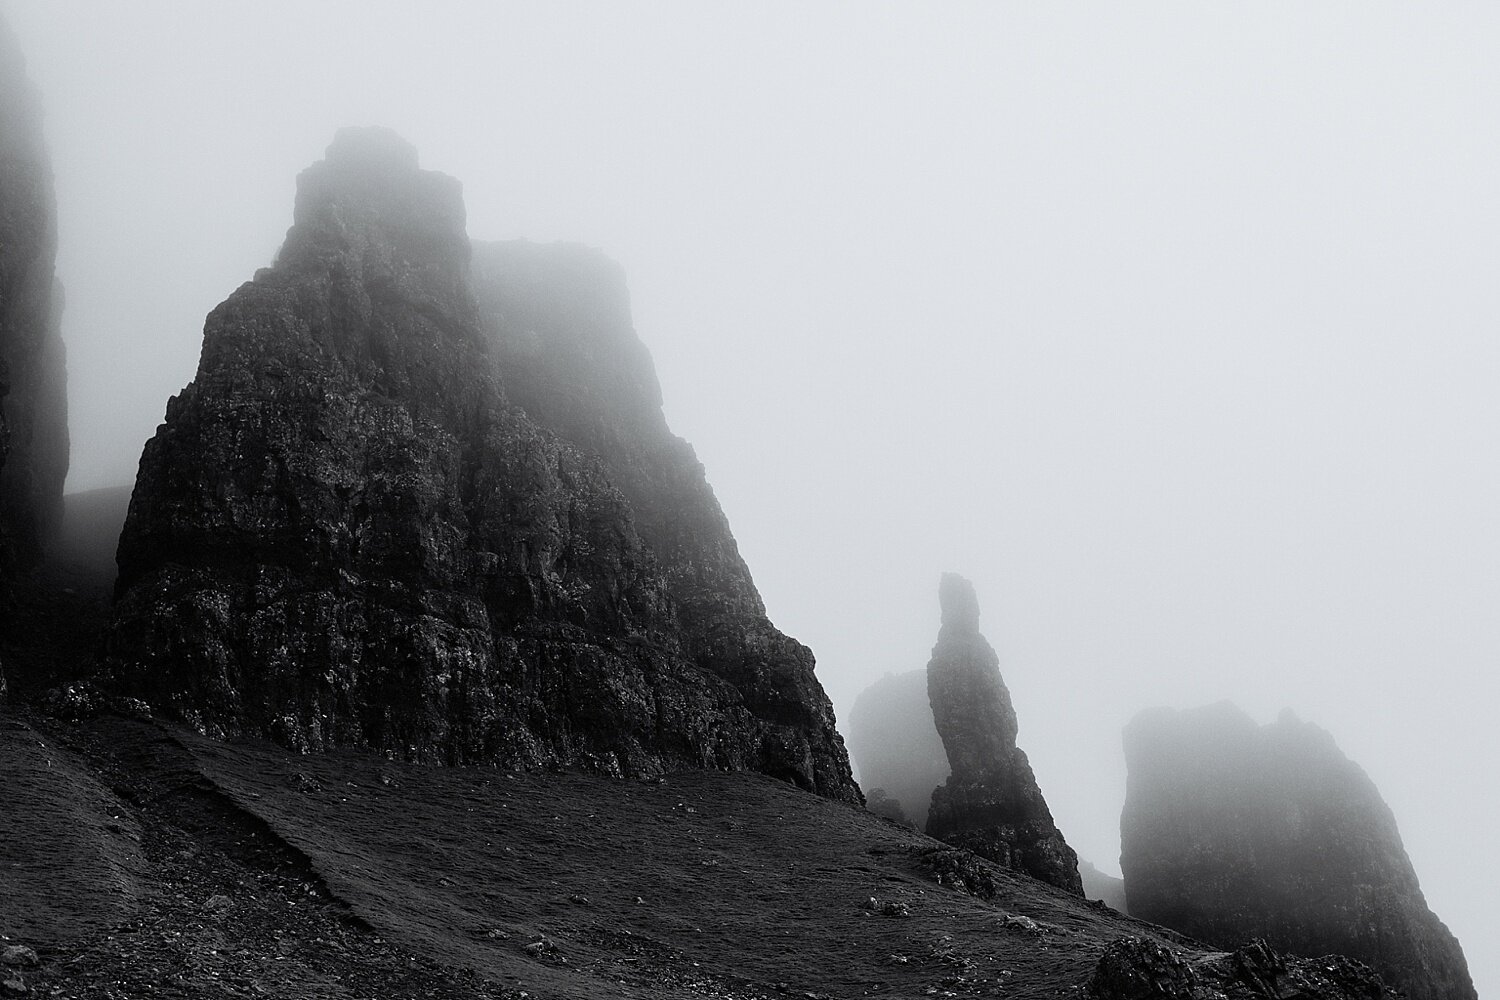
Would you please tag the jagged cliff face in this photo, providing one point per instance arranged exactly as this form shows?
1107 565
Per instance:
1233 831
895 744
991 803
557 319
33 392
346 534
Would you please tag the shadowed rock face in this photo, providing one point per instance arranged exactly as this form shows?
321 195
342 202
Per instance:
345 533
557 319
895 744
33 390
1233 831
990 804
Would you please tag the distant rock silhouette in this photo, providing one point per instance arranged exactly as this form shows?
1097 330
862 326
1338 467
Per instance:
895 743
384 514
990 803
1234 831
33 389
1098 885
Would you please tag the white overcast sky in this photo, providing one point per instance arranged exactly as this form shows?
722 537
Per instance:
1172 326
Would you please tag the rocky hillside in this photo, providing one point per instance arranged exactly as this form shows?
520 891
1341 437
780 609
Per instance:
991 803
1233 830
895 744
33 396
348 532
171 865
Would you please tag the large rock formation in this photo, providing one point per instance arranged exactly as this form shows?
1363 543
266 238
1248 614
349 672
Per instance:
33 391
990 804
557 319
895 745
345 533
1233 831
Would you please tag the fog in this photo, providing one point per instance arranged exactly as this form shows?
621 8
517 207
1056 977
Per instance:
1171 327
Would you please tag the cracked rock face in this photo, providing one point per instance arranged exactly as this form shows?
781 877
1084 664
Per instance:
33 390
387 514
990 803
1234 831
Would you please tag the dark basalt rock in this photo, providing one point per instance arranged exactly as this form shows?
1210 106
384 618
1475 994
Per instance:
346 534
1233 831
990 803
896 745
1134 968
33 389
557 320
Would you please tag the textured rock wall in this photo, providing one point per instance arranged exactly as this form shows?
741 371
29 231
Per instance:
895 744
557 319
33 391
345 534
1233 831
990 804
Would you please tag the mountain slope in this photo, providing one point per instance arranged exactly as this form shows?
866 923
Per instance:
350 875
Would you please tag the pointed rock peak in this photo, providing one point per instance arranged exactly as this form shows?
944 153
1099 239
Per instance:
373 148
960 605
368 208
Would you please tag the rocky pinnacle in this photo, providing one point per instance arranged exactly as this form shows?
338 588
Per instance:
990 804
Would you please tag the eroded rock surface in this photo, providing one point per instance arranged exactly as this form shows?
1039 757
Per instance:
346 534
33 390
896 745
1234 831
991 803
1136 968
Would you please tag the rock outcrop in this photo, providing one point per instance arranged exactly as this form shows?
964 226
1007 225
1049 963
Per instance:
372 520
990 803
1233 831
557 320
33 390
895 745
1136 968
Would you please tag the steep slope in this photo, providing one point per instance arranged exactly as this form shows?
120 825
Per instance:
895 744
345 535
1232 830
991 803
33 389
349 875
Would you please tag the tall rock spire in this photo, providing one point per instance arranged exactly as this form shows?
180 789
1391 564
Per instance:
991 803
33 390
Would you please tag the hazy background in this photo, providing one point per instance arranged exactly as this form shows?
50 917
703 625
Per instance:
1173 327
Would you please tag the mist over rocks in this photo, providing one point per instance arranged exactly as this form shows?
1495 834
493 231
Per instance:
1234 831
372 518
557 319
33 389
895 744
991 803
